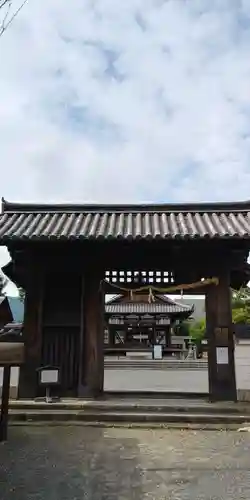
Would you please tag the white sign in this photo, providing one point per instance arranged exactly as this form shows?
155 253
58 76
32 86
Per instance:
157 351
222 355
49 376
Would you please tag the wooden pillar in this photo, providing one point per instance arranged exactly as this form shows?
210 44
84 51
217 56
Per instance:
221 366
92 355
5 404
32 335
112 335
168 336
154 334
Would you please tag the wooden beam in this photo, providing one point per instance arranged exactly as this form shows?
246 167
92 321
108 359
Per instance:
11 353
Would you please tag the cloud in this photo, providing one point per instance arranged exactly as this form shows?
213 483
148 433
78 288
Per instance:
143 100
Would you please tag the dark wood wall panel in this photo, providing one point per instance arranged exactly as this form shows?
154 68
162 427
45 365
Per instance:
61 348
62 326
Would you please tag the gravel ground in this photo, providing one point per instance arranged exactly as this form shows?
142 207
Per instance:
71 463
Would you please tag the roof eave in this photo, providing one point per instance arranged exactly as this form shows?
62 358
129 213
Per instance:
241 206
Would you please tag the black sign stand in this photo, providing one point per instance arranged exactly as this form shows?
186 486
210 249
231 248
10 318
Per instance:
5 404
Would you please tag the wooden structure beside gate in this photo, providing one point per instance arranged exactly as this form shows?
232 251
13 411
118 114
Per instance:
60 255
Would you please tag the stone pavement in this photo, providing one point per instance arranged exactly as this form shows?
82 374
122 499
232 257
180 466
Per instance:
175 380
158 380
76 463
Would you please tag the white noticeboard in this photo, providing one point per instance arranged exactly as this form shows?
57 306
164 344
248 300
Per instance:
49 376
222 355
157 351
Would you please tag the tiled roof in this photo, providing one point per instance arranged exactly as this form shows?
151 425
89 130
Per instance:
144 308
11 328
43 222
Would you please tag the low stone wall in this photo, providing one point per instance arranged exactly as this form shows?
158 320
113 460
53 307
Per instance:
14 379
243 395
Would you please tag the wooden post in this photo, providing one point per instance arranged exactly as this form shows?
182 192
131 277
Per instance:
112 335
221 366
92 361
168 336
5 404
81 387
32 334
153 334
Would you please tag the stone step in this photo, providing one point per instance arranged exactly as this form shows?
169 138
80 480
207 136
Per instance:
140 364
222 420
124 406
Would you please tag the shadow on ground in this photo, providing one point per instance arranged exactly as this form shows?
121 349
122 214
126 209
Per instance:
68 463
86 463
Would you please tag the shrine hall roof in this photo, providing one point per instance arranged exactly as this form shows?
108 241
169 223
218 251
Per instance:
125 222
146 308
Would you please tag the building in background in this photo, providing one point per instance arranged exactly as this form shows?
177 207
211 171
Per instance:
137 321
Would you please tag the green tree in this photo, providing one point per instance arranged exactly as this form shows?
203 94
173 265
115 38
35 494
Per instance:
197 329
241 306
182 328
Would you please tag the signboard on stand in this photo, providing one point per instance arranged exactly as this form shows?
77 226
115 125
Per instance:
157 351
49 376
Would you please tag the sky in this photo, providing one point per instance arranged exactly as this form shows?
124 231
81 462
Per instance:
135 101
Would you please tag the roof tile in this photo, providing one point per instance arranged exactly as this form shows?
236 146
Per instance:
144 308
24 222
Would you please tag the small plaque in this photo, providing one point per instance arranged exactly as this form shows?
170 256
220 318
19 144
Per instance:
222 355
49 376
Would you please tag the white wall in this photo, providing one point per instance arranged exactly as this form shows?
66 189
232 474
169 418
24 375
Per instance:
14 378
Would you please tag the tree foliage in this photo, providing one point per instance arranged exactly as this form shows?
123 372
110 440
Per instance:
197 329
182 329
241 306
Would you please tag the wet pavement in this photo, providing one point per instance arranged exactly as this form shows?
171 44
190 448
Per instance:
76 463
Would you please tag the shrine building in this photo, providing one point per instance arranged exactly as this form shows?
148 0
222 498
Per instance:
139 321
